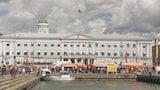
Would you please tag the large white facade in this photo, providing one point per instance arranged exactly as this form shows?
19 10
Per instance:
50 48
55 48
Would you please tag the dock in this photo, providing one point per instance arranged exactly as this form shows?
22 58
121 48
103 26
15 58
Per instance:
20 82
96 76
149 79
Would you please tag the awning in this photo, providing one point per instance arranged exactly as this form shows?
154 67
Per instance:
69 64
81 65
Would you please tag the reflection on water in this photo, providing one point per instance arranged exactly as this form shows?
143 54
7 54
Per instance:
95 85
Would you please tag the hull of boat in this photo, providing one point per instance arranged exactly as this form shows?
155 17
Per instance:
58 78
46 78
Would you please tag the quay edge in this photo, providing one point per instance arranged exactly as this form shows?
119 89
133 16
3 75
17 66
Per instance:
27 85
149 79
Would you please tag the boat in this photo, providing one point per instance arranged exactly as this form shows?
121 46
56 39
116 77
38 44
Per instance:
45 74
64 76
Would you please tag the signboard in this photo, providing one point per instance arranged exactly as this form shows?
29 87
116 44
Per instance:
111 68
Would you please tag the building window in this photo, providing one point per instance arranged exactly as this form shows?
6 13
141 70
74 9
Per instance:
115 45
52 53
65 53
89 45
127 45
96 53
109 54
144 46
58 53
32 44
52 45
58 45
121 46
25 53
25 44
65 45
7 53
102 45
115 54
45 53
18 53
96 44
144 55
65 59
78 45
38 53
39 45
71 45
45 45
18 44
134 45
83 53
84 45
109 45
134 54
7 44
102 53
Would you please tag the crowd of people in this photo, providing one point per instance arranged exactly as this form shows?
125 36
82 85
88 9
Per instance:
129 70
13 70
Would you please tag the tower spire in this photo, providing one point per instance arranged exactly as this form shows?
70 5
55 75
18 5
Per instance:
43 25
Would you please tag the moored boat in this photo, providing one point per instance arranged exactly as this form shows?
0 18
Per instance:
45 74
64 76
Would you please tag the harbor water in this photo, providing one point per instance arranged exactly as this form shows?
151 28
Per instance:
95 85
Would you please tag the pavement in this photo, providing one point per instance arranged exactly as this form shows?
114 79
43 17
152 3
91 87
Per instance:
8 76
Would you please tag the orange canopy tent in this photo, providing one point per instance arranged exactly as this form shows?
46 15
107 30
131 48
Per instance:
99 64
111 64
132 64
81 65
69 64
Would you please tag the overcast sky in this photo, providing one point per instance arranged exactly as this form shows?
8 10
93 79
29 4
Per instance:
96 16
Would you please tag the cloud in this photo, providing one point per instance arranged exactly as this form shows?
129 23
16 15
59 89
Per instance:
104 16
97 26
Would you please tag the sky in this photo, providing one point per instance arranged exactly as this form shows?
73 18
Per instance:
96 16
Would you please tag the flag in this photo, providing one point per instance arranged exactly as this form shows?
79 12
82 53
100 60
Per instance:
126 56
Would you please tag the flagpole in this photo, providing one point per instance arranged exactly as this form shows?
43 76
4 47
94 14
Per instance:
2 62
14 57
156 49
79 11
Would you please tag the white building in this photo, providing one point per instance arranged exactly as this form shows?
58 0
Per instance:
44 47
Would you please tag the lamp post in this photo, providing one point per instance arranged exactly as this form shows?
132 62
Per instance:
2 53
121 53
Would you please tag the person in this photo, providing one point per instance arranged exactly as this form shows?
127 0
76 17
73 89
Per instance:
3 70
13 71
38 71
23 70
150 73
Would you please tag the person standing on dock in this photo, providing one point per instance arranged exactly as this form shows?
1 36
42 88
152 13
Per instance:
3 71
13 71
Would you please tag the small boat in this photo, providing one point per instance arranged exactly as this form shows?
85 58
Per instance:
64 76
45 74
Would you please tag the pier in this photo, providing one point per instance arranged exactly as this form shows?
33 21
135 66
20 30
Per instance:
96 76
21 82
149 79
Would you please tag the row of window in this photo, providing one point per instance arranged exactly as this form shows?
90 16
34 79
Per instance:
65 53
65 45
